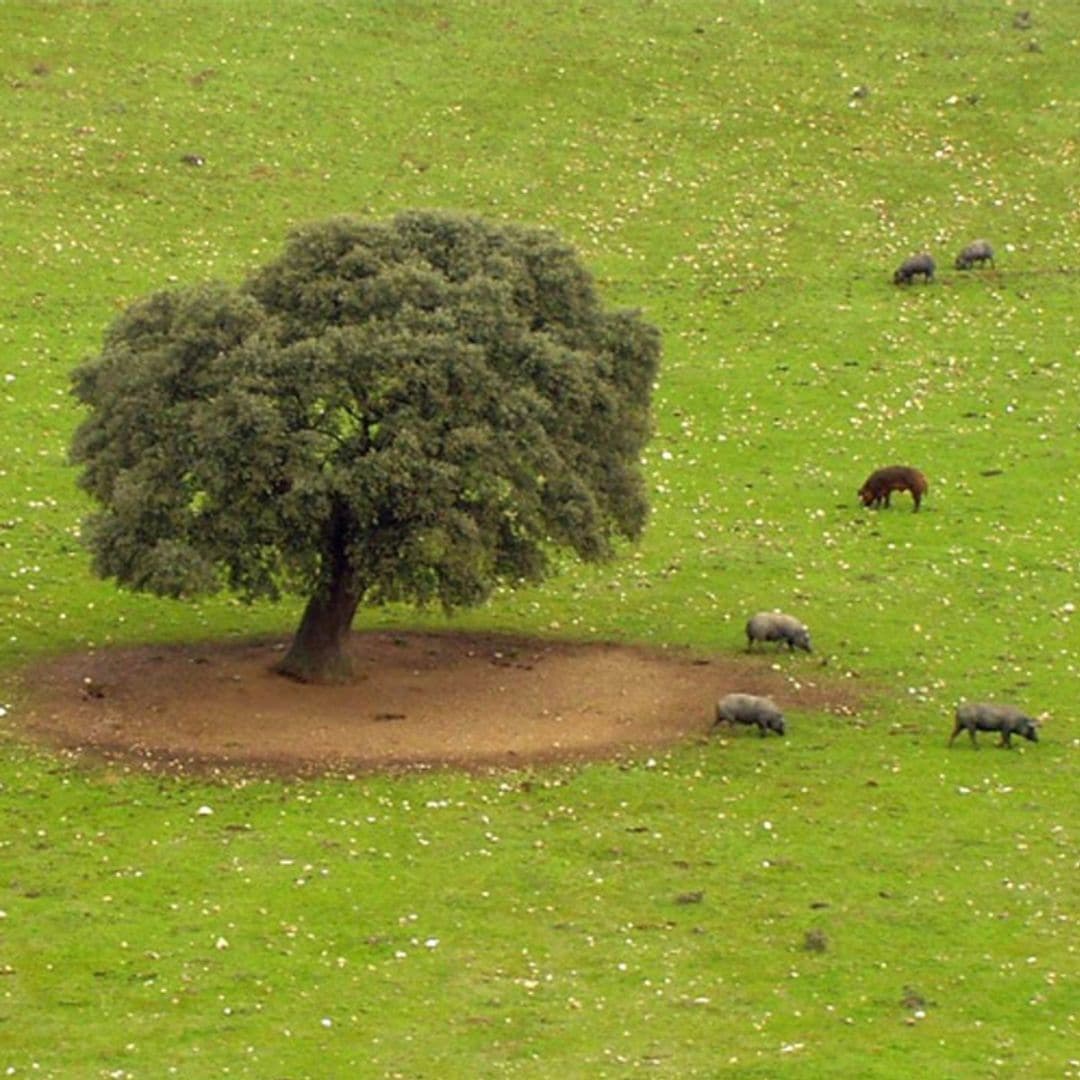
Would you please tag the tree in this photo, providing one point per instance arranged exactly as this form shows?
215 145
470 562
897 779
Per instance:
412 410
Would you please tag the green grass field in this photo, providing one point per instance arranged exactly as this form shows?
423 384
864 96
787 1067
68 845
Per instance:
749 174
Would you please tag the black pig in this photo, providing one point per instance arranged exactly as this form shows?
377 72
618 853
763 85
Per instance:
981 716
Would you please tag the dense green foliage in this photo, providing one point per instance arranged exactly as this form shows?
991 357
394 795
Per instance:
715 163
409 411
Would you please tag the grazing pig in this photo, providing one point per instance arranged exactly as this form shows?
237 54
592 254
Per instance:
749 709
773 626
978 251
882 483
911 267
981 716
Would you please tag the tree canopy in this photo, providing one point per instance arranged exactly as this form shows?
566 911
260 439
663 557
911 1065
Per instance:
408 410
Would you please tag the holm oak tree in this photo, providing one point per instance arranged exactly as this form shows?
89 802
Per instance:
411 410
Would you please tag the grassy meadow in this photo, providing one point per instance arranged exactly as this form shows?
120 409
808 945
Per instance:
854 900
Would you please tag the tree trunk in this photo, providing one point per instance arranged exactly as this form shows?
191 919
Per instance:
317 653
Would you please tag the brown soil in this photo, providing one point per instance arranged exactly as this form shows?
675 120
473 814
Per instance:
420 700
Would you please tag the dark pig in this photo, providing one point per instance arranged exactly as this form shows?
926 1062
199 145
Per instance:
1006 719
881 483
775 626
978 251
910 268
750 710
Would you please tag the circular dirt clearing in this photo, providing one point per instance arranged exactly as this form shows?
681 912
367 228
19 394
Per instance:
420 700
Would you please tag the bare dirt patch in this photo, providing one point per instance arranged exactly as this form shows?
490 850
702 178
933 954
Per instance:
421 700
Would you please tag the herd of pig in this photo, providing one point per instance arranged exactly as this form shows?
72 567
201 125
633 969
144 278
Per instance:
762 713
978 251
766 626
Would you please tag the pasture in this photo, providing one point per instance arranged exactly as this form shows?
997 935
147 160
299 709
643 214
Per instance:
852 900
